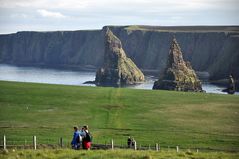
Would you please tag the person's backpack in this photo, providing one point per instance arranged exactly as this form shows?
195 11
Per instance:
78 139
88 137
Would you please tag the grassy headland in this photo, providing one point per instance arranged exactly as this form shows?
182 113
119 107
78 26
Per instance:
116 154
190 120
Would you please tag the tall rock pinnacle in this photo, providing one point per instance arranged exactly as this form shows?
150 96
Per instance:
178 74
118 69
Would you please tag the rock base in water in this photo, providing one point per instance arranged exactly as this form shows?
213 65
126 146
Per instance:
178 75
118 70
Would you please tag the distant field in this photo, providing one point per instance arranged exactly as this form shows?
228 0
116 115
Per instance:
232 29
190 120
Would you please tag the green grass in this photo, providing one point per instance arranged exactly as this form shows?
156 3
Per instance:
115 154
190 120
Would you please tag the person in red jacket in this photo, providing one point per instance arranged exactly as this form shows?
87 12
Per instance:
87 139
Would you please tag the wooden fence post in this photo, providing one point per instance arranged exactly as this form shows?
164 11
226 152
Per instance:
177 148
135 145
157 147
34 142
61 142
197 150
112 144
4 142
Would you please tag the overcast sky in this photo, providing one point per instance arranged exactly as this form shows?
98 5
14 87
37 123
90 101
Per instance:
48 15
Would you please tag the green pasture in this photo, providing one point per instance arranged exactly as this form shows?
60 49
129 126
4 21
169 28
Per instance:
115 154
189 120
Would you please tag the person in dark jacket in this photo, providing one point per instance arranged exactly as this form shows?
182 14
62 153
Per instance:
75 140
129 142
87 138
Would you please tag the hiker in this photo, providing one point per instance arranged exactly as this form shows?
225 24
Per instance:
87 139
82 132
80 137
133 142
129 142
75 140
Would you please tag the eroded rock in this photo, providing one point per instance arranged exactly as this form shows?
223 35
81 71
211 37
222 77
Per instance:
118 69
178 74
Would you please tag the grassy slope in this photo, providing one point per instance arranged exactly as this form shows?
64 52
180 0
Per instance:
183 28
116 154
170 118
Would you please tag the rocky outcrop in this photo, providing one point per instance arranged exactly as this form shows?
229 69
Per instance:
208 48
178 74
117 70
231 86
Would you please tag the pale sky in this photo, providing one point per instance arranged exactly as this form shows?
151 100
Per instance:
51 15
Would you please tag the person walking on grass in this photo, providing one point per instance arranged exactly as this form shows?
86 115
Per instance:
80 138
133 142
87 139
129 142
75 143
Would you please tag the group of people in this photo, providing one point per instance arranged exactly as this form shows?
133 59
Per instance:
81 138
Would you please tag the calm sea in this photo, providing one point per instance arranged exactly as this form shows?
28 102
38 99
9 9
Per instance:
65 77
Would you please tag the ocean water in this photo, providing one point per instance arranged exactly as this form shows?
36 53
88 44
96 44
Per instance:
66 77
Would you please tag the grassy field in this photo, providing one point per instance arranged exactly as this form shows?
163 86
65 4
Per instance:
190 120
116 154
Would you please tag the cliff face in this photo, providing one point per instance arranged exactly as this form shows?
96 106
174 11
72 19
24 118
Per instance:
118 69
178 74
207 48
53 49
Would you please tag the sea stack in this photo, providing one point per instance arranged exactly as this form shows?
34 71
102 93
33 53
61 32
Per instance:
117 70
178 74
231 89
